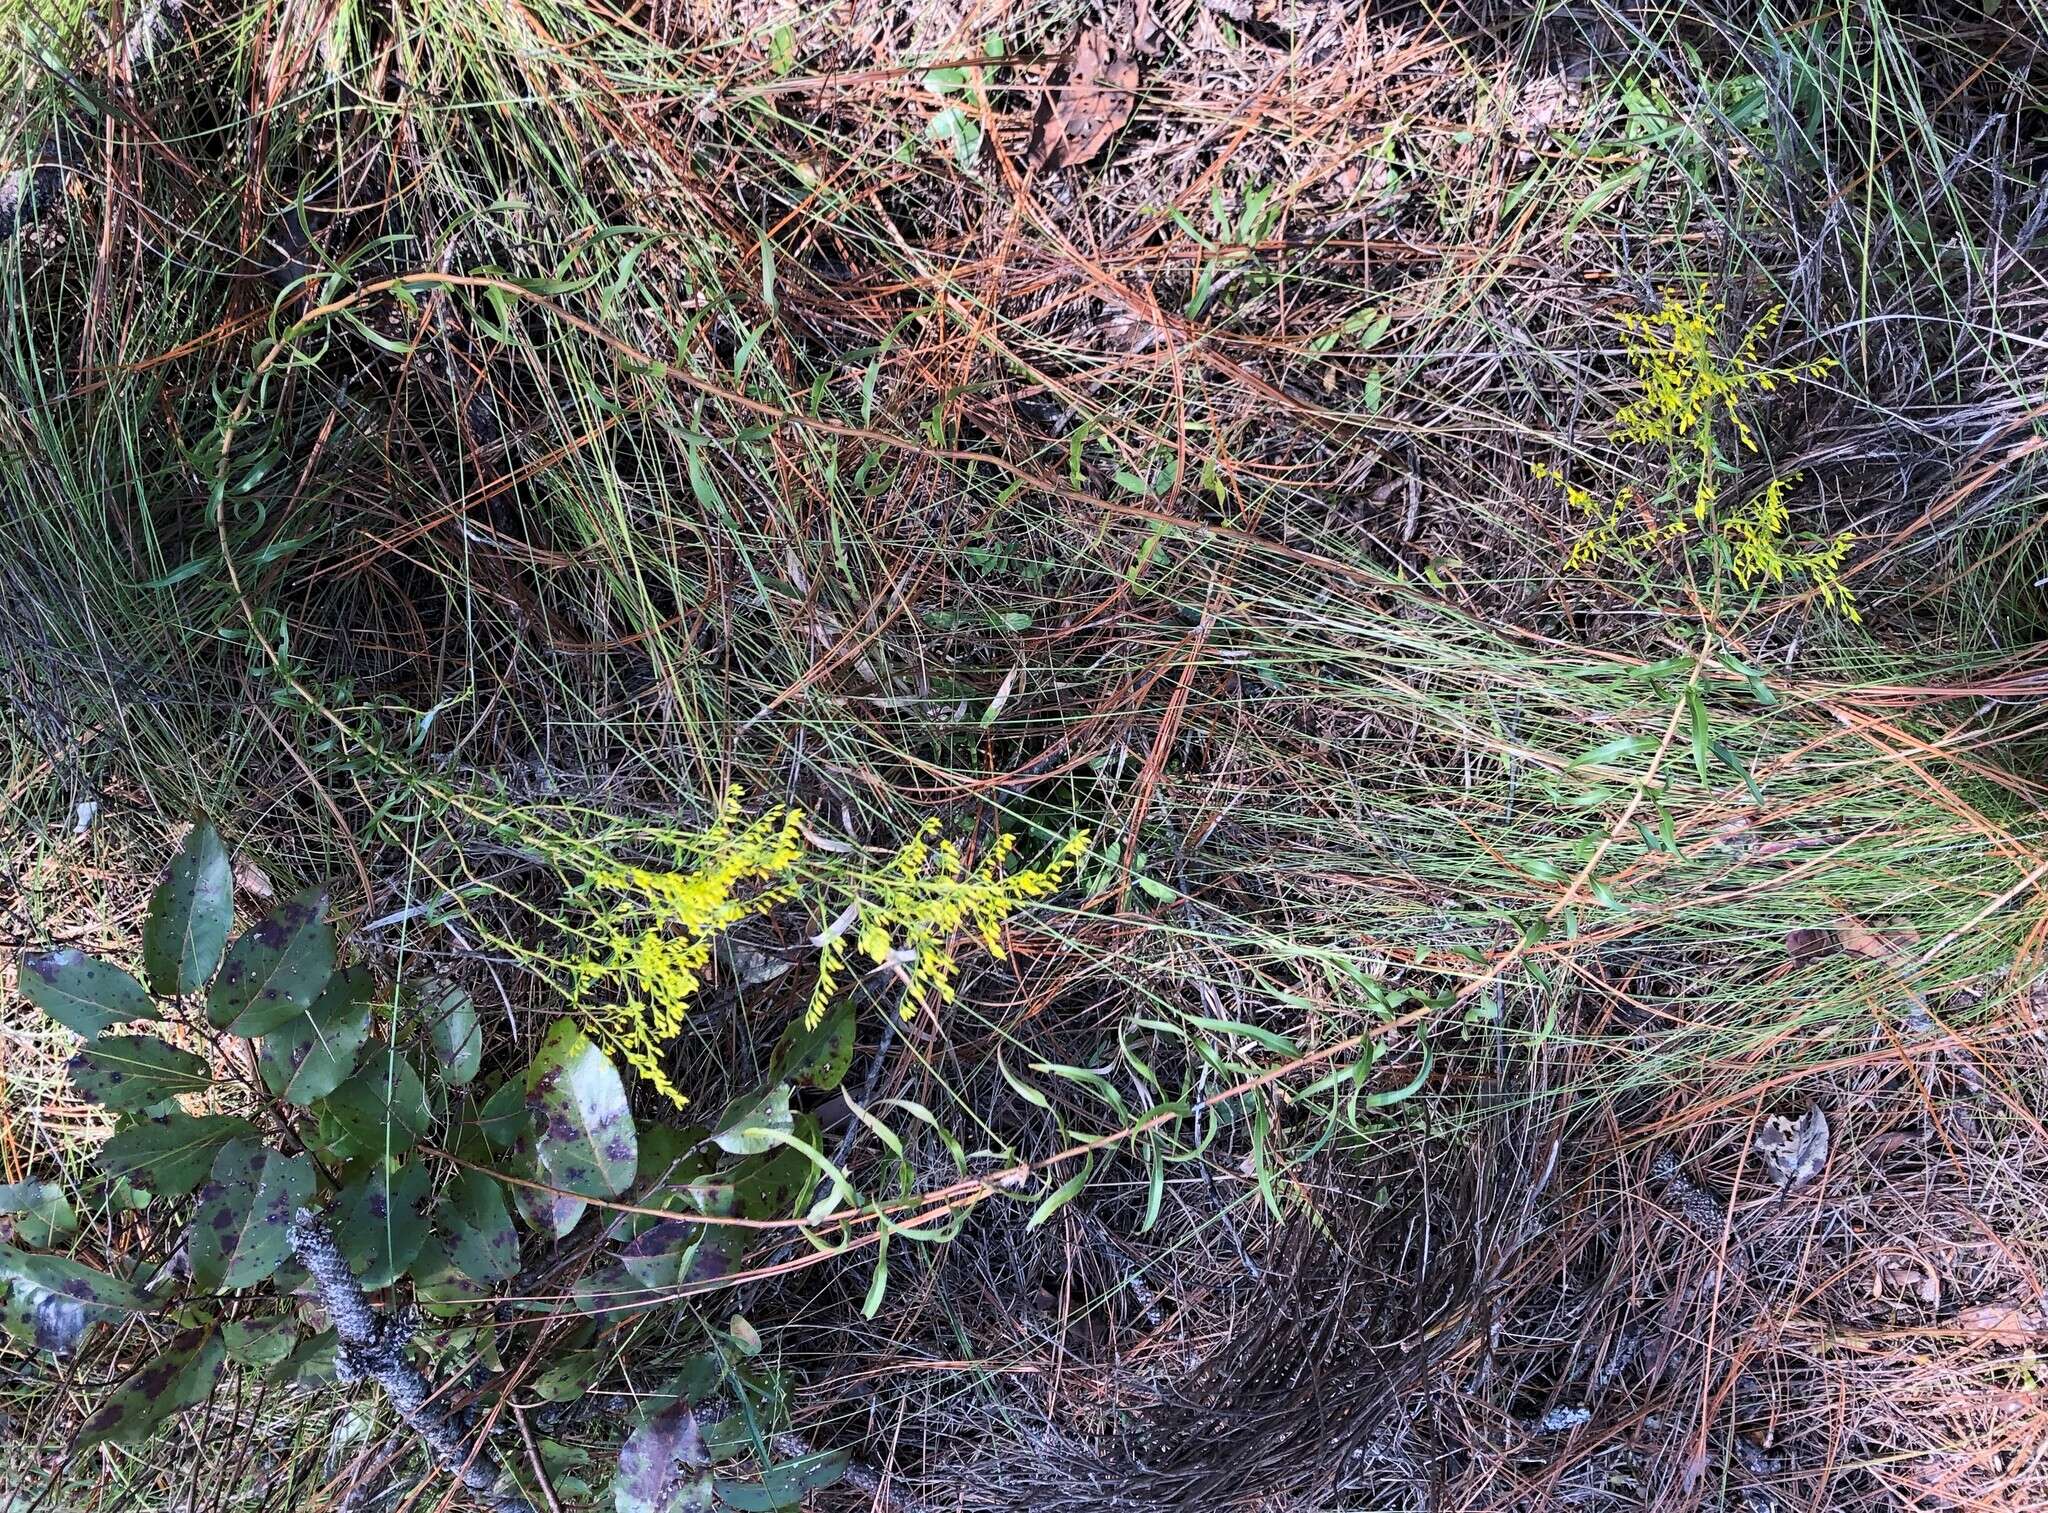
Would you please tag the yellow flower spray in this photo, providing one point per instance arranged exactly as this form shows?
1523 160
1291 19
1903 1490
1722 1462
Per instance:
1689 391
648 933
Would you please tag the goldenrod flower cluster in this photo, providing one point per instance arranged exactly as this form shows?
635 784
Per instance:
1690 392
650 930
910 913
653 934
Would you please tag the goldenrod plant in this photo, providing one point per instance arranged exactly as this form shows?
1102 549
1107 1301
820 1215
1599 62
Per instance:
1692 402
645 932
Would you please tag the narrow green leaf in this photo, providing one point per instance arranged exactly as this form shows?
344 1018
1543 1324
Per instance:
587 1137
1061 1196
134 1071
1609 752
189 914
1702 730
276 969
239 1228
86 996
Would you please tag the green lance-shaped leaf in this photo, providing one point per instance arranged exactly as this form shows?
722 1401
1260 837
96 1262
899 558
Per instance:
169 1382
85 995
239 1230
380 1222
481 1240
663 1465
383 1109
134 1071
172 1153
309 1057
189 914
449 1014
587 1139
276 968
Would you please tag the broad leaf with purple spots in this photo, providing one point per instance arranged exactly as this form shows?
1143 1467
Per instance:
171 1154
276 969
309 1057
239 1230
168 1382
189 914
134 1071
587 1140
85 995
662 1465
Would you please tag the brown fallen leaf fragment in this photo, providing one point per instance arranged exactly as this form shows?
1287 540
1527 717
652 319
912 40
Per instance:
1085 109
2001 1323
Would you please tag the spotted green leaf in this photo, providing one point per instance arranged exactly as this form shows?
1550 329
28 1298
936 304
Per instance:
38 1213
239 1228
449 1014
169 1381
567 1378
100 1294
171 1154
40 1318
134 1071
481 1240
384 1108
553 1214
85 995
189 915
380 1222
816 1056
262 1343
275 969
587 1140
308 1057
663 1465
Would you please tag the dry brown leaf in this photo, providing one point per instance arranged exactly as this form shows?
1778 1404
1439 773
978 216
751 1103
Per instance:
1902 1276
1999 1322
1859 939
1794 1151
1079 115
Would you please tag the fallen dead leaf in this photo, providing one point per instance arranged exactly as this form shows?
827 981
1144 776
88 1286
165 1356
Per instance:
253 880
1794 1151
1899 1277
1859 939
1080 114
2001 1323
